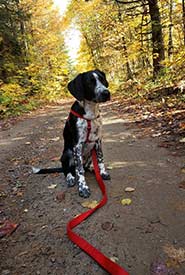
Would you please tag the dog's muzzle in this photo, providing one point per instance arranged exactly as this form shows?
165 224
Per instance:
103 96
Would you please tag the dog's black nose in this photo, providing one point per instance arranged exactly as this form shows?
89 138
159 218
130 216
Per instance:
105 95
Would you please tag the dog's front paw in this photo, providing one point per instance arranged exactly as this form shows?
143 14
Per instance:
70 180
84 192
106 176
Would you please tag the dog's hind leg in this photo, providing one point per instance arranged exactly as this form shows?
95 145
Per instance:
68 166
88 164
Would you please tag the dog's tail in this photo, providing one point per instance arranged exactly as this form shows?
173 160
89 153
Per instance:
47 170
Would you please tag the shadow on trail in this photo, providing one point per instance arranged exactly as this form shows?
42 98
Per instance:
151 228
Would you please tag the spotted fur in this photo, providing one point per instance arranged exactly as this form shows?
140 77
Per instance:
90 89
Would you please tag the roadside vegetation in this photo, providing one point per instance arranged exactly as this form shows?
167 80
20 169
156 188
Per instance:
139 44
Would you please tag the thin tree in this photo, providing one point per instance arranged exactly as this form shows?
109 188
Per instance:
156 26
170 39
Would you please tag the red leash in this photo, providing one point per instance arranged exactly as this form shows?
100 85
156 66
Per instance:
110 266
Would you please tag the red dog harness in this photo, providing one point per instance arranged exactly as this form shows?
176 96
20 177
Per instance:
110 266
88 124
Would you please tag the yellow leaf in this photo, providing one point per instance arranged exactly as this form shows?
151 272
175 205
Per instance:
126 201
89 204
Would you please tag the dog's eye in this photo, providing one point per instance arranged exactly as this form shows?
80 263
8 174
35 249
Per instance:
104 81
101 79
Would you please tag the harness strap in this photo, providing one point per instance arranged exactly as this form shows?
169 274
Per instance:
110 266
88 124
76 114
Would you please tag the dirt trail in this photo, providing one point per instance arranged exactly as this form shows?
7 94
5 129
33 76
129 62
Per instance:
151 229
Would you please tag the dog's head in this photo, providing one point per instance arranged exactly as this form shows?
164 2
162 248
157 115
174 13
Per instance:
91 85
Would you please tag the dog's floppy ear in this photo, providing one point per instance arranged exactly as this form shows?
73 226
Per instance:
76 87
102 74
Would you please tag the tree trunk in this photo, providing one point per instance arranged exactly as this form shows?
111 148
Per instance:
157 38
22 31
90 48
128 69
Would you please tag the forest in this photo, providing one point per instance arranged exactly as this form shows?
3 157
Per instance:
140 44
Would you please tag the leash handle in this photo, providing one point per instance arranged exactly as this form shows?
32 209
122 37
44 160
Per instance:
110 266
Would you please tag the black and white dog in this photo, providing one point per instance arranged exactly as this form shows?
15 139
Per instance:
83 130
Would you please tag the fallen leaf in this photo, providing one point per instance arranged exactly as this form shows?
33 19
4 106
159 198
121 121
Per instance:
28 143
54 139
175 253
126 201
172 263
164 145
129 189
2 194
60 196
54 158
182 140
183 169
7 228
182 184
182 125
19 194
156 135
89 204
18 184
160 268
52 186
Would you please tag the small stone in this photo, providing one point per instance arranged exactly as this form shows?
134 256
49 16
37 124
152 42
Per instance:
114 259
129 189
53 260
107 226
174 241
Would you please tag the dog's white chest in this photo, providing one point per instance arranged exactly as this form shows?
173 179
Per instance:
96 129
93 134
